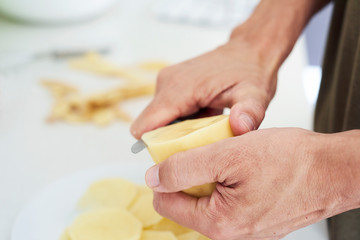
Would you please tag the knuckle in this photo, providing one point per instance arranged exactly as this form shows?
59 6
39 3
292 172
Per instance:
257 107
249 229
164 75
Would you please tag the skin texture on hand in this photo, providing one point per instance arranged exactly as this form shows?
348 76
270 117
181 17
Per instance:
218 79
269 183
241 74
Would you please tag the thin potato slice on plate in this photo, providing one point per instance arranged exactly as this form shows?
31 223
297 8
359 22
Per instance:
106 224
143 210
168 225
157 235
192 236
112 192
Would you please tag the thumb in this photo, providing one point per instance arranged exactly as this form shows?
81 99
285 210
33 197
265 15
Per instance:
246 116
184 170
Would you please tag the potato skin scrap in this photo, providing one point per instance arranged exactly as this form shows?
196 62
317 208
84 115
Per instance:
58 89
103 117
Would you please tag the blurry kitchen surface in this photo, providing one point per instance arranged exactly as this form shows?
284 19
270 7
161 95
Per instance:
34 153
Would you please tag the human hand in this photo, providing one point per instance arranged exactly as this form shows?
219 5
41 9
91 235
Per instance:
234 75
269 183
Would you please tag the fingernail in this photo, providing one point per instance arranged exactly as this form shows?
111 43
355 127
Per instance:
152 177
133 131
247 121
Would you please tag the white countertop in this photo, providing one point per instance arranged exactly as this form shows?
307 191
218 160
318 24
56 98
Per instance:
33 153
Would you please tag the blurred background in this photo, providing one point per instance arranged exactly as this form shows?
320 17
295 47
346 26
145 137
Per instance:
39 39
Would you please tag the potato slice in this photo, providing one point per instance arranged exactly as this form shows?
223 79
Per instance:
106 224
165 141
157 235
143 209
113 192
168 225
192 236
142 189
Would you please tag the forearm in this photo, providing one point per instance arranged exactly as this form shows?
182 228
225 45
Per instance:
275 26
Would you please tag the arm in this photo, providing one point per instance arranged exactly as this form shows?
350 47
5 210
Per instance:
275 26
269 183
241 74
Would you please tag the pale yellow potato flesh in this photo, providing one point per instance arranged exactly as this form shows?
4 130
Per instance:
106 224
112 192
166 141
168 225
192 236
142 189
137 221
157 235
144 211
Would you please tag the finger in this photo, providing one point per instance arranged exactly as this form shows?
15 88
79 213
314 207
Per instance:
246 116
248 104
184 209
157 114
204 215
187 169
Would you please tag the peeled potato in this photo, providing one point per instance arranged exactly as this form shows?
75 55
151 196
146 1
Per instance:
157 235
106 224
113 192
168 225
165 141
143 210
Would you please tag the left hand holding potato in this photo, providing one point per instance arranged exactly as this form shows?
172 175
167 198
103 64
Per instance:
269 183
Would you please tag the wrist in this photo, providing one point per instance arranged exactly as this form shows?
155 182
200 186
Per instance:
339 160
274 27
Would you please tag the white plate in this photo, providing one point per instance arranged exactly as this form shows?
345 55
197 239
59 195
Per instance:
51 211
47 214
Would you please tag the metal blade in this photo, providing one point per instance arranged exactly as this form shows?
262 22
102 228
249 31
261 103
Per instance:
138 146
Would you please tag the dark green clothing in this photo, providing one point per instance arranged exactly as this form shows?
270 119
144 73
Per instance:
338 106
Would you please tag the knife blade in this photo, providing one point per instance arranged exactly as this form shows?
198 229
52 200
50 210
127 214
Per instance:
138 146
